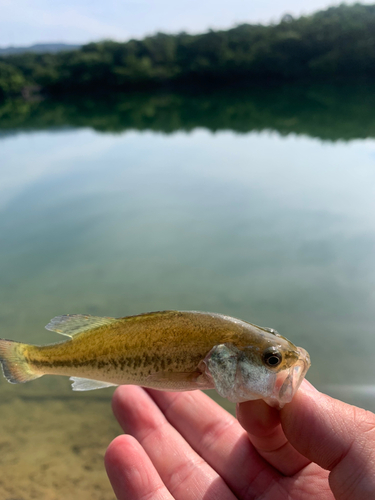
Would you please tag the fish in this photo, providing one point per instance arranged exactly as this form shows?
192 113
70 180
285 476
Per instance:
165 350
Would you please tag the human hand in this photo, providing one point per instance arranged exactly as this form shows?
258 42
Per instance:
185 446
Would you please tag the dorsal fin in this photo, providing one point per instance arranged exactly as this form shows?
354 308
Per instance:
72 324
269 330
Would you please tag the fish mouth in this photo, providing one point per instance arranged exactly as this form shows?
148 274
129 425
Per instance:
288 381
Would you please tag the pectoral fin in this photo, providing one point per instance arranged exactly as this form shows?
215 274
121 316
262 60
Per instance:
220 366
178 381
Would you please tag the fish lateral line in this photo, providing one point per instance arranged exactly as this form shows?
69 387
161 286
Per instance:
165 350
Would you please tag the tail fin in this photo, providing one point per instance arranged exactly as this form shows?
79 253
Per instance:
15 367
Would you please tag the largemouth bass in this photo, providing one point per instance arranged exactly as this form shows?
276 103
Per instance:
167 350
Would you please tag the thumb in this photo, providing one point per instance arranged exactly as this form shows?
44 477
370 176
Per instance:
337 436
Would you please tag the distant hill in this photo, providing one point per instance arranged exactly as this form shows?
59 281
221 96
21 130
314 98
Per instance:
335 44
39 48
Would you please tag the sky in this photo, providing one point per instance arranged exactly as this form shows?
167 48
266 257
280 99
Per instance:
25 22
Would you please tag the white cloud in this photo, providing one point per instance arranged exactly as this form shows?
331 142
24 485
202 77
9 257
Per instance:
24 22
43 155
73 19
32 23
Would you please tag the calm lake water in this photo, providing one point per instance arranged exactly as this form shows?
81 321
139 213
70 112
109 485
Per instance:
268 224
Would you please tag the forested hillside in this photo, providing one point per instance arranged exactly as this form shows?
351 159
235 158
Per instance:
338 43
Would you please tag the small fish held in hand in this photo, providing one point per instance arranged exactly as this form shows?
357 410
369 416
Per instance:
167 350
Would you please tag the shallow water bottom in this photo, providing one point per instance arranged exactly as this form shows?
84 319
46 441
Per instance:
53 441
54 449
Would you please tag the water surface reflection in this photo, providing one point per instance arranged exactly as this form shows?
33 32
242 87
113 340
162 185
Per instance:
275 230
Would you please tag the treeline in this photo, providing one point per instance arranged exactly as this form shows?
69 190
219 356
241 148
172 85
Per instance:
326 112
332 44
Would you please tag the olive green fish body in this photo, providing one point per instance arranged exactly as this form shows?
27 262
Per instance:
168 350
137 348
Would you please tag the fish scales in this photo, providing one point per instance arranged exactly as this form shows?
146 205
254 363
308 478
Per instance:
167 350
178 340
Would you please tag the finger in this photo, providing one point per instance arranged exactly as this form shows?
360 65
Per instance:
131 473
266 434
338 437
219 439
185 474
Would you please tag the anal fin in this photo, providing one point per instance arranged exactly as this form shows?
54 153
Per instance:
85 384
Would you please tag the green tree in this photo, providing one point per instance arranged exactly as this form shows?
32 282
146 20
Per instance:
11 80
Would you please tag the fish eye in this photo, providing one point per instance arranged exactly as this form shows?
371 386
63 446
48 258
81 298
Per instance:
272 357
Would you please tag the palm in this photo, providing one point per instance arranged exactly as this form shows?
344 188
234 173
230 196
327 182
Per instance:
187 447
